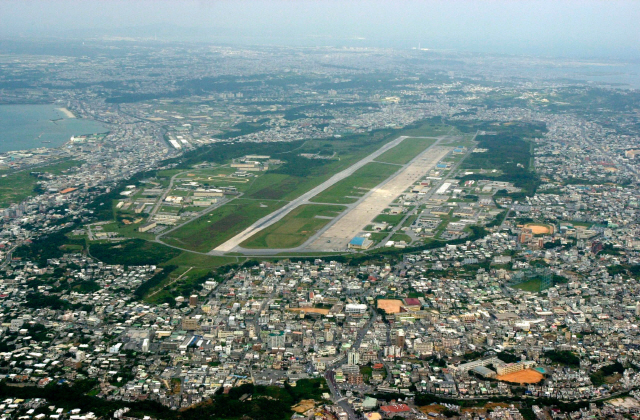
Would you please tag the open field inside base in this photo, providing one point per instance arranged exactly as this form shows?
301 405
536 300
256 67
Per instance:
350 189
220 224
295 228
527 376
405 151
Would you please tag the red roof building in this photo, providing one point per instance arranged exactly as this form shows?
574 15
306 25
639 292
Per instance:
395 408
412 302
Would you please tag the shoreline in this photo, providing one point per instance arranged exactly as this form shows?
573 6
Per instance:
66 112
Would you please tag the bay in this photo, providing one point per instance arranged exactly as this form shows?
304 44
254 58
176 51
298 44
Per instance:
24 127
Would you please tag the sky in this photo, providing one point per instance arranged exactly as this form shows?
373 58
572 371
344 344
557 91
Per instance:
558 28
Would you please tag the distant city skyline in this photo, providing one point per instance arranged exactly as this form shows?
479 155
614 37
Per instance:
597 29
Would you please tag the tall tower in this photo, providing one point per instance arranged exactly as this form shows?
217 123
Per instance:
400 339
353 358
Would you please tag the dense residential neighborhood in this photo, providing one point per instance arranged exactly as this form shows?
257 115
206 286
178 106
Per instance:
503 284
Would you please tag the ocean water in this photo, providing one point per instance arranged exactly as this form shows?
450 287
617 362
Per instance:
621 75
31 126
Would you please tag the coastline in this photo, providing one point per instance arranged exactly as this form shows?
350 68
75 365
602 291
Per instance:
33 126
66 112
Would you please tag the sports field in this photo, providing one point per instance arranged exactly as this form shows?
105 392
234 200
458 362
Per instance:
350 189
311 310
405 151
390 306
532 285
527 376
539 229
295 228
212 229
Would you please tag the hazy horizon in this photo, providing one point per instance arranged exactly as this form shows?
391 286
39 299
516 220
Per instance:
585 29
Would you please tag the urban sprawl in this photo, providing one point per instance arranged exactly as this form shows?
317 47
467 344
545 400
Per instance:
319 233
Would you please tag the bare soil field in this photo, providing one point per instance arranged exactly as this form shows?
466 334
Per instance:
311 310
303 406
527 376
390 306
539 229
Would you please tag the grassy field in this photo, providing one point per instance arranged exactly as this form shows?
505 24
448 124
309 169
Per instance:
60 167
295 228
276 185
378 236
221 176
405 151
180 282
129 231
410 220
461 140
221 224
356 185
392 219
132 252
430 129
190 259
401 237
15 187
529 286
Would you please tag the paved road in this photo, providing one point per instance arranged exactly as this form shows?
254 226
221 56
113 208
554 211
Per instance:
162 198
304 198
9 255
256 321
337 397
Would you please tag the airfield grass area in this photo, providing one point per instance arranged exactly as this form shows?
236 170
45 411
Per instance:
430 129
350 189
221 224
392 219
405 151
401 237
295 228
289 183
220 176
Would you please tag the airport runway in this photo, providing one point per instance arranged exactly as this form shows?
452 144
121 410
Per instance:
272 218
354 221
